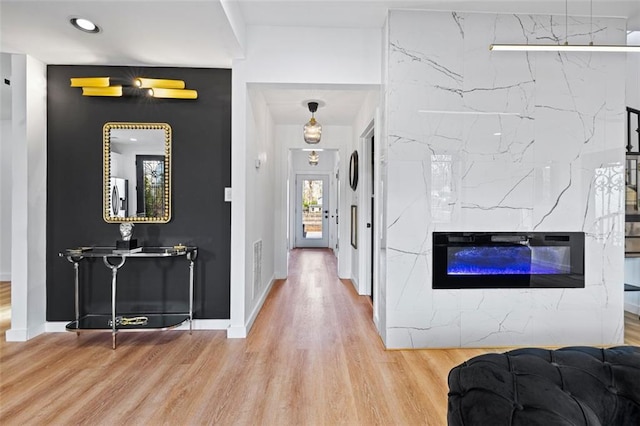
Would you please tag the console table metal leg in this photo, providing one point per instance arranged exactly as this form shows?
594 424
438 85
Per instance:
76 266
114 274
190 295
114 281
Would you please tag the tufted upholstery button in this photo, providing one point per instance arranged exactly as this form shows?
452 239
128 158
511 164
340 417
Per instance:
581 386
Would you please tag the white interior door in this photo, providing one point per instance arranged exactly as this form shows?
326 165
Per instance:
312 211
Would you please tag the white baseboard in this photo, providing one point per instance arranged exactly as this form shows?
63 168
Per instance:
632 307
24 334
237 332
206 324
55 326
241 332
354 283
632 302
5 276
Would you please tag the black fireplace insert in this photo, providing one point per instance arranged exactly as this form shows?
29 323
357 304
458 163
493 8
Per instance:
508 260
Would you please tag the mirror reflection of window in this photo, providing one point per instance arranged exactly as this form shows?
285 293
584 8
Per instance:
150 177
631 180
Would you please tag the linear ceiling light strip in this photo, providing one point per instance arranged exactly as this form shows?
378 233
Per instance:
564 48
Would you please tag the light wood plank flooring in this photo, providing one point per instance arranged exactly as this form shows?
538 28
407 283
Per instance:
313 357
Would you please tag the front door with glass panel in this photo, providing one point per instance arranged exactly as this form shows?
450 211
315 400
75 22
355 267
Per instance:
312 211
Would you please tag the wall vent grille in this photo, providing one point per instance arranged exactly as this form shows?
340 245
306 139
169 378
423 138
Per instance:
257 267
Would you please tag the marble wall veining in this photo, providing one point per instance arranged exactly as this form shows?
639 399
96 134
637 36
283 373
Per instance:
479 141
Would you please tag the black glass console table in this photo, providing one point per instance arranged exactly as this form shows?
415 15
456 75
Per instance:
114 259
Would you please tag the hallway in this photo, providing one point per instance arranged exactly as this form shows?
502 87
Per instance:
312 357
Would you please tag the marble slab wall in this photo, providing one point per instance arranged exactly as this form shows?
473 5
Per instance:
502 141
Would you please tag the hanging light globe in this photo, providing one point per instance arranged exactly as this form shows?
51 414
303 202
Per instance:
314 157
312 131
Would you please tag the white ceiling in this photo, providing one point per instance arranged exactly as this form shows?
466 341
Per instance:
339 105
198 33
151 33
372 13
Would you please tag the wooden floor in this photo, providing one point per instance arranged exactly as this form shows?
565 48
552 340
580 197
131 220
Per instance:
312 357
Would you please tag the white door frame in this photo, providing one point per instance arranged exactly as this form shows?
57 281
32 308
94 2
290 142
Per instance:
365 237
367 187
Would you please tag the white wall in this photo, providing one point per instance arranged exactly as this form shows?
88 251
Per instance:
29 197
633 72
281 55
552 168
360 257
380 314
5 200
5 168
260 166
632 265
632 276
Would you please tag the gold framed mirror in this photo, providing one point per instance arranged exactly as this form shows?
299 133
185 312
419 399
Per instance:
137 172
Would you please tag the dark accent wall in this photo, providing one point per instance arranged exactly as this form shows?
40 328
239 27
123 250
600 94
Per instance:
201 168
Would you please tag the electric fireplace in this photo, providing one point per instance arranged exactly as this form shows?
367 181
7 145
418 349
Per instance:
508 260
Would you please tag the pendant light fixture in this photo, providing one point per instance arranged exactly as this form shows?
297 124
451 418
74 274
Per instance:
566 47
314 157
313 129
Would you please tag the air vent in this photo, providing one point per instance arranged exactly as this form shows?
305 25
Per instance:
257 267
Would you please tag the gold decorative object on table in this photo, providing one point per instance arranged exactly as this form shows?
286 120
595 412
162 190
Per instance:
123 321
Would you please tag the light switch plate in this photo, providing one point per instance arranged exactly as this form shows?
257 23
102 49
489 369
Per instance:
227 194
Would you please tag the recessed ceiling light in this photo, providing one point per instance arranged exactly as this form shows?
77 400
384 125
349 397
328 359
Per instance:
84 25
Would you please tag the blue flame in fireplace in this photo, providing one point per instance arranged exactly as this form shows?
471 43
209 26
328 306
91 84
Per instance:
508 260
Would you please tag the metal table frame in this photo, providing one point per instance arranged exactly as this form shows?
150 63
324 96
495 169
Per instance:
75 256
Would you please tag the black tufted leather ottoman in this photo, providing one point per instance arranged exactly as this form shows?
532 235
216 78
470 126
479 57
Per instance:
568 386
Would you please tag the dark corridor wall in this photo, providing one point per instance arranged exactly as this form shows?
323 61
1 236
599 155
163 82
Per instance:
201 168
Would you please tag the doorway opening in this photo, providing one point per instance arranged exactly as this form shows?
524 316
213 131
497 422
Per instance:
312 211
367 257
312 199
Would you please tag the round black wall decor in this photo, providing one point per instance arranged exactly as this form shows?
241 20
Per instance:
353 170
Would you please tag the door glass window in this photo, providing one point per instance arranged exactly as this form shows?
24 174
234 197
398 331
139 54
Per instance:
312 209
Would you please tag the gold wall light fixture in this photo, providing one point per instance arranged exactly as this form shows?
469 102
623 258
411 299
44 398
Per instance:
140 86
158 92
566 47
158 83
